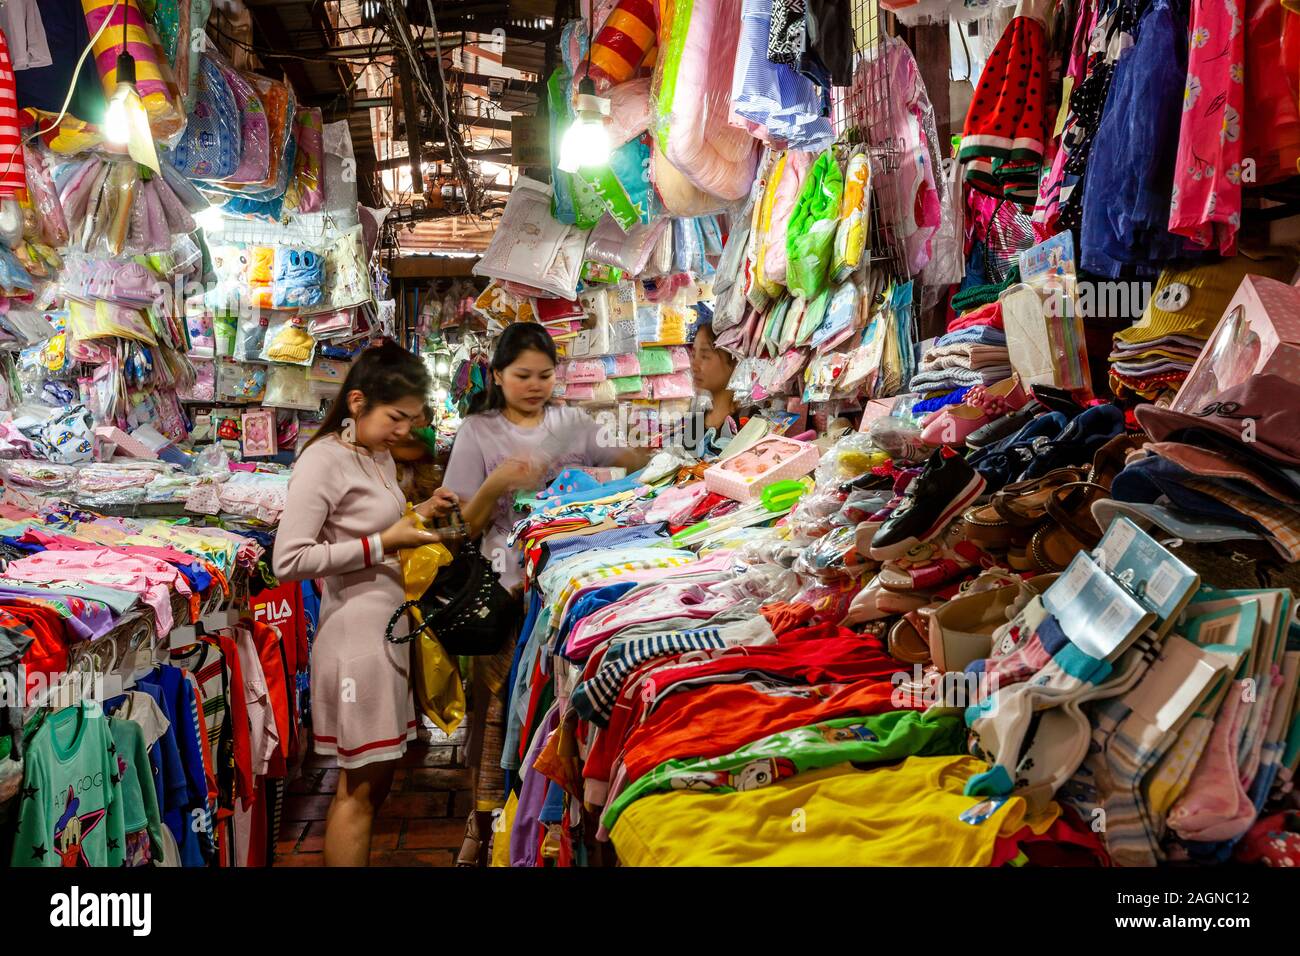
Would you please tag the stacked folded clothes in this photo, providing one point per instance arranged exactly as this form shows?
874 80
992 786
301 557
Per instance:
972 352
1152 357
1201 479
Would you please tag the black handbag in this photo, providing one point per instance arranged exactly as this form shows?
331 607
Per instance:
465 607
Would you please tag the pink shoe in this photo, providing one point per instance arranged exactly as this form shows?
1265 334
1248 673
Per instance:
982 405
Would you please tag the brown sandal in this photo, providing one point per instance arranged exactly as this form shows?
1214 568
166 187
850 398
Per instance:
909 638
1110 458
986 528
1071 529
472 845
1024 503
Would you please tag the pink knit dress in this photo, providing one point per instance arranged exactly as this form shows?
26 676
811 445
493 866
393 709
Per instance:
340 499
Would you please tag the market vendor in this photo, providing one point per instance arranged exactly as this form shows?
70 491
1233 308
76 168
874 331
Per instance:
518 441
715 414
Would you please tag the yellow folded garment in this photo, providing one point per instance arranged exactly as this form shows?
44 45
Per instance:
909 814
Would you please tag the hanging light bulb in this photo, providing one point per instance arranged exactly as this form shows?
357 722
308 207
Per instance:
586 142
117 121
126 122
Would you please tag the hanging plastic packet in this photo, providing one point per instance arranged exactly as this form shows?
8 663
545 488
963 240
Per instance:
299 275
240 382
250 337
287 341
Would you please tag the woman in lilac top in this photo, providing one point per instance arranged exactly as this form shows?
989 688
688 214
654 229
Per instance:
518 441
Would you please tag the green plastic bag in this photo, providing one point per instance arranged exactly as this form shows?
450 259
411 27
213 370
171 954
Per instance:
811 237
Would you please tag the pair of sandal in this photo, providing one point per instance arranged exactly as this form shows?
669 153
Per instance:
1044 522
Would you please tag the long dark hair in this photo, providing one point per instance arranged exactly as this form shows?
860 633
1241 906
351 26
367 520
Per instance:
515 340
384 374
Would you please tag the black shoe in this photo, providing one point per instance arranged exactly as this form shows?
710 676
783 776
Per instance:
1003 427
931 502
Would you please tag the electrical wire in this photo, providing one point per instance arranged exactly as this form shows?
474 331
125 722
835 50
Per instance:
76 73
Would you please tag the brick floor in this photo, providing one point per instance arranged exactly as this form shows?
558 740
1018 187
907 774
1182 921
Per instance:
421 823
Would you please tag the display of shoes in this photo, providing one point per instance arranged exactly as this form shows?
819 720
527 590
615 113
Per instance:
952 425
945 486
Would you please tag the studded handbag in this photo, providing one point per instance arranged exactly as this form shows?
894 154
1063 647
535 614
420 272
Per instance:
465 607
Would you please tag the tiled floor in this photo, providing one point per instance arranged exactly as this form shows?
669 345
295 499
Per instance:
421 824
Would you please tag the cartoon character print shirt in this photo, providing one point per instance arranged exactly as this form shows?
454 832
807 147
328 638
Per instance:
70 811
873 739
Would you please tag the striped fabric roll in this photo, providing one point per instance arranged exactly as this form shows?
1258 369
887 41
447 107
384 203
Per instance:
625 42
153 77
12 176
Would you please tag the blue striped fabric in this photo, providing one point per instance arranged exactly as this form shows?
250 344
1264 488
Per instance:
594 699
774 95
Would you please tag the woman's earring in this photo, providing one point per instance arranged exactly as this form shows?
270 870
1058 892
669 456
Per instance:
348 432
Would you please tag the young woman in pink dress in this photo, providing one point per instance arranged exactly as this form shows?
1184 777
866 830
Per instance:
344 523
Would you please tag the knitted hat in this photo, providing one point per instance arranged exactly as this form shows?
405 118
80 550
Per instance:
1190 302
292 344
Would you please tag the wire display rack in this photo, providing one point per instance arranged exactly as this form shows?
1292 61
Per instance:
862 116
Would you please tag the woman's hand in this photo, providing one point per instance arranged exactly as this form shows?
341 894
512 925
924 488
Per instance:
407 532
514 474
439 504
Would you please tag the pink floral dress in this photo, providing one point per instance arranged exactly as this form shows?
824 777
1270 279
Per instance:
1206 203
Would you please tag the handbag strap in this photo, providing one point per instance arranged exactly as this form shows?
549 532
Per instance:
397 616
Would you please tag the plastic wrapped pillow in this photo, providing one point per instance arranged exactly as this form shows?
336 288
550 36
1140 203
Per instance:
627 385
276 100
629 251
623 43
578 393
299 274
693 85
304 191
629 110
811 236
851 229
182 188
210 145
254 131
52 225
177 218
153 76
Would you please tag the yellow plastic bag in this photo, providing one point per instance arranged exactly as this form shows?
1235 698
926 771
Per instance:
501 827
435 674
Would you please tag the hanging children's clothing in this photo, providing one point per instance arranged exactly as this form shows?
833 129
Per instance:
71 812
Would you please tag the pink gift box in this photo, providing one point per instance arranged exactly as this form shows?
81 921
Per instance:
1259 334
744 476
124 444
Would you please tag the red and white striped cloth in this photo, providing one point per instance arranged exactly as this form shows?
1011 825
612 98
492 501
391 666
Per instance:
12 177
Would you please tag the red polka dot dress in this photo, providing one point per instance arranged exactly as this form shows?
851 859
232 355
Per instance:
1005 135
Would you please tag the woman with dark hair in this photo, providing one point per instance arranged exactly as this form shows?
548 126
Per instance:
344 522
518 441
715 412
